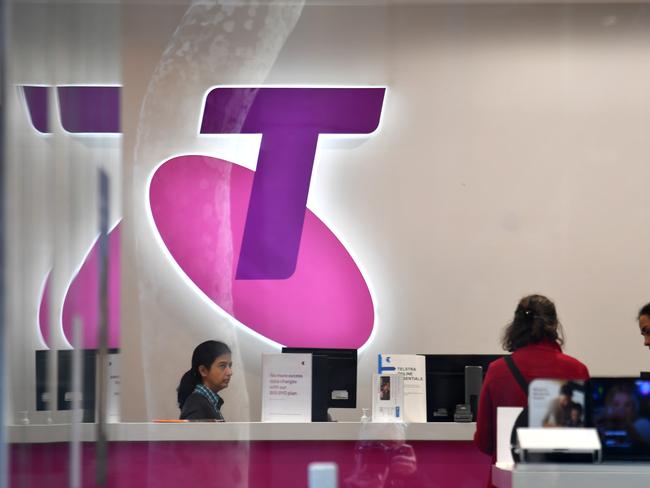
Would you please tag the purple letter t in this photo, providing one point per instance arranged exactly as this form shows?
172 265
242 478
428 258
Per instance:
290 120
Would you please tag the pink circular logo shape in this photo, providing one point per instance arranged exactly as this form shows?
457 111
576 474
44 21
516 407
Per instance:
199 206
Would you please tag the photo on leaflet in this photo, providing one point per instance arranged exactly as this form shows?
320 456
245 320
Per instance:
556 403
384 388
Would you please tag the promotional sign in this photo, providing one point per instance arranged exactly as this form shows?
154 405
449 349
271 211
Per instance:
413 369
286 387
113 388
556 403
387 398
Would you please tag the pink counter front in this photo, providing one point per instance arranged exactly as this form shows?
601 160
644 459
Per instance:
277 455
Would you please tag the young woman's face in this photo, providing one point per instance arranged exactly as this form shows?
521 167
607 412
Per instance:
218 376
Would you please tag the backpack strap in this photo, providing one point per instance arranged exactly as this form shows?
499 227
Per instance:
517 374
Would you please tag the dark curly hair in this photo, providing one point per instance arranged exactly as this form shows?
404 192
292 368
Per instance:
535 321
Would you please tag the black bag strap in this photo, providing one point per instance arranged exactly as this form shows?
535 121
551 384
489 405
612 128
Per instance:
517 374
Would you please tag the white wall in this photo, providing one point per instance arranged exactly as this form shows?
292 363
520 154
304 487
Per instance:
512 159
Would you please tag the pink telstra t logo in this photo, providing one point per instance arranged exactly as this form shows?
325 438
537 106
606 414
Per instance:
288 277
246 239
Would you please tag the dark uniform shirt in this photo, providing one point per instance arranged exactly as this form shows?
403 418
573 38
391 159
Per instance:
202 404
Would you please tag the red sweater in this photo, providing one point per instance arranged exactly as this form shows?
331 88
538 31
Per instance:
500 389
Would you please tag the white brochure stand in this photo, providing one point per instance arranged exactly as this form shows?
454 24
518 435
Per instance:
413 368
286 387
506 417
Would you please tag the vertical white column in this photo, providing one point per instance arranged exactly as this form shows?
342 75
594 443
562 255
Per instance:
74 465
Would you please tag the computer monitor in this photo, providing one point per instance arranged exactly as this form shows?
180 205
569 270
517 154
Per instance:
334 379
619 408
446 383
64 396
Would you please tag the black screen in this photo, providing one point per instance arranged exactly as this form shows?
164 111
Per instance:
619 408
446 382
64 381
334 379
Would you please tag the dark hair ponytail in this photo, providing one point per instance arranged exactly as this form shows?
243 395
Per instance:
204 355
535 321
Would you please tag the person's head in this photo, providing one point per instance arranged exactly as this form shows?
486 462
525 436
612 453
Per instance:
566 393
211 367
575 412
621 403
644 324
535 321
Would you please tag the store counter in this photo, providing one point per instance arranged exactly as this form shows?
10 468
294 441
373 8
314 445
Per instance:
605 475
248 431
254 454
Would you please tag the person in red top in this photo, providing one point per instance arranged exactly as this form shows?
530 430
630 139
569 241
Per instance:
535 338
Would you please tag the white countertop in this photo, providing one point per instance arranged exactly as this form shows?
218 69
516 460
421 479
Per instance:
575 475
605 467
247 431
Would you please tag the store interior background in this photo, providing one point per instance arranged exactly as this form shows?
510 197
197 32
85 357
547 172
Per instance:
512 158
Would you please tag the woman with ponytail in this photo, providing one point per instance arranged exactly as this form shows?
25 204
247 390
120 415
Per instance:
210 373
535 339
